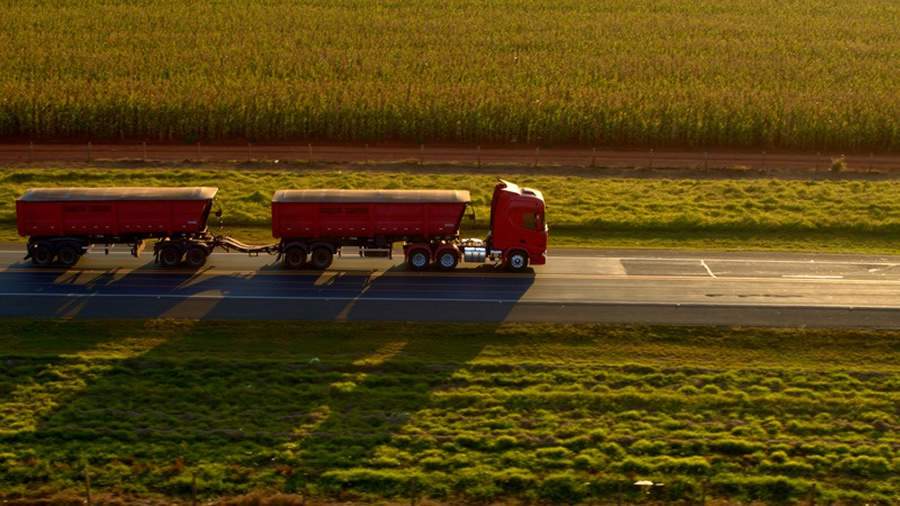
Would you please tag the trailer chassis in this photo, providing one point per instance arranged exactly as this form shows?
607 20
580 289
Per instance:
193 251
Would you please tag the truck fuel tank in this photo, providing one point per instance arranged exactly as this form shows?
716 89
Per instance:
474 250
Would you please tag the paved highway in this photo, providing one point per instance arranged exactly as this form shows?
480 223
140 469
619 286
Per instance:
575 286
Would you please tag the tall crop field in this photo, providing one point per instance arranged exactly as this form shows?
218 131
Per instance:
809 74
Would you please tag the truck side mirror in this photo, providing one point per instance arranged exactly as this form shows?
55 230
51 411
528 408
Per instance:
219 213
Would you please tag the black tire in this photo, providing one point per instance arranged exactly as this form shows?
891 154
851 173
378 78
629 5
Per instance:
295 257
517 261
321 258
196 257
447 260
42 255
67 255
418 259
170 256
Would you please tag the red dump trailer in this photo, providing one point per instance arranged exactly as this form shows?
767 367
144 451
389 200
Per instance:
62 223
313 226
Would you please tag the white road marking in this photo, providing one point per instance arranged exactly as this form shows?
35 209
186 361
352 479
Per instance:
735 260
708 270
810 276
564 302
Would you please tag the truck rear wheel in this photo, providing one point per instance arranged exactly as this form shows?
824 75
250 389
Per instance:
517 261
295 257
418 259
321 258
67 255
196 257
447 260
41 255
170 256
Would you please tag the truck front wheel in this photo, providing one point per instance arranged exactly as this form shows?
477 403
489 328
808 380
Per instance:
517 261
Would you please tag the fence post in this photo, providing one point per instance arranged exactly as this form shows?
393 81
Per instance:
87 485
144 151
30 151
706 160
537 152
478 149
818 154
249 152
871 161
651 158
198 151
90 154
421 154
764 160
366 154
309 152
593 157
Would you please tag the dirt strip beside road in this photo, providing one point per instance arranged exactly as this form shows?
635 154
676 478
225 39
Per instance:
735 161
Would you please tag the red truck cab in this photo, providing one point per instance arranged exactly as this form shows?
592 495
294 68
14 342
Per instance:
518 225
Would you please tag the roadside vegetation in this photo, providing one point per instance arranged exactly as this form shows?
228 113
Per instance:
846 216
457 412
809 74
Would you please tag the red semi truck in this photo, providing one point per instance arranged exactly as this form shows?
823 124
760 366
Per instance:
312 225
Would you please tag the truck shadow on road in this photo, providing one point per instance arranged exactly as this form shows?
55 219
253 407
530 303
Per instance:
265 294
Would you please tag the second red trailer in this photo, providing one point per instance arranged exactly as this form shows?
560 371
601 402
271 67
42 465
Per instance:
319 222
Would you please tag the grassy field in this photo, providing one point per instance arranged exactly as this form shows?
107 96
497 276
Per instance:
862 216
809 74
454 412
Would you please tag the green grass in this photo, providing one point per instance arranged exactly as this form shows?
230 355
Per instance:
848 216
809 74
469 412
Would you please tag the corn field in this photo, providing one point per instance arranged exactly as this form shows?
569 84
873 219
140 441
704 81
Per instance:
808 74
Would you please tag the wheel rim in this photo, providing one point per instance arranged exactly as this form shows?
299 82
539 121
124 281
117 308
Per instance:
517 261
197 257
67 256
321 257
295 258
419 260
42 255
170 256
448 260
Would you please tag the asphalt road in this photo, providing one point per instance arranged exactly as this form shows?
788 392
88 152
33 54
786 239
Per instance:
574 286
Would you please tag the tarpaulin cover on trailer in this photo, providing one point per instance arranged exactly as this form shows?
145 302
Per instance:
104 194
373 196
